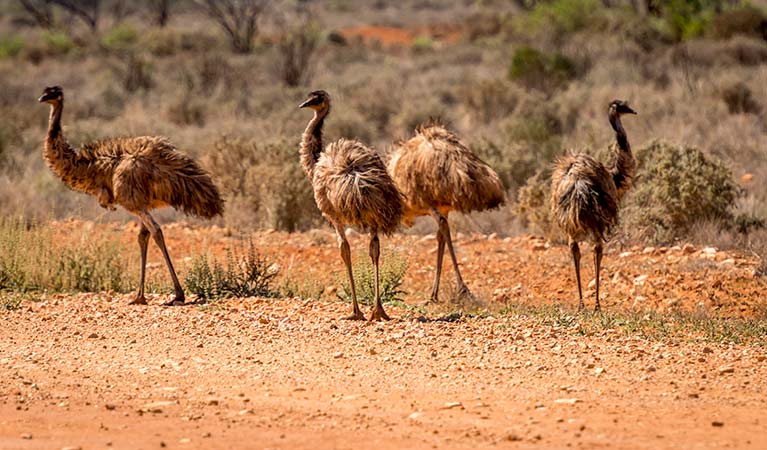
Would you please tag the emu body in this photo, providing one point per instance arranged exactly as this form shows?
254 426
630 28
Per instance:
351 188
436 173
138 173
585 195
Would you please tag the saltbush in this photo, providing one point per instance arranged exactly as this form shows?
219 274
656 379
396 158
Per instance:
243 274
536 69
391 272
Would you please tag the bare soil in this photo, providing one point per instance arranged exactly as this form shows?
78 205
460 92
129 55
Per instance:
89 371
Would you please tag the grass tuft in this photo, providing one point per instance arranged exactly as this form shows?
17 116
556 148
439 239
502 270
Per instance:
392 268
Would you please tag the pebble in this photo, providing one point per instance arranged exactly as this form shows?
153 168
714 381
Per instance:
451 405
71 448
26 435
726 369
566 401
717 423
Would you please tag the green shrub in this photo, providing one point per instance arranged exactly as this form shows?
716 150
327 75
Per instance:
746 20
58 43
10 46
391 272
245 274
687 19
422 44
678 188
538 70
564 16
121 37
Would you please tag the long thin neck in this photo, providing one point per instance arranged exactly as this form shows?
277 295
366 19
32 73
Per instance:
624 165
311 141
57 153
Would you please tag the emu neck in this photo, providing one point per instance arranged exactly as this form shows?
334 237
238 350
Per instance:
311 142
57 153
624 165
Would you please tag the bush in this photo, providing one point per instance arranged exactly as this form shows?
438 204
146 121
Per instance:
746 20
533 205
121 37
678 188
162 42
687 19
560 17
296 50
538 70
391 272
488 100
32 258
740 100
246 274
10 46
267 180
422 44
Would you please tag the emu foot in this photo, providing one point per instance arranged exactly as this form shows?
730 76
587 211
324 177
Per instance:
139 300
378 314
356 315
178 300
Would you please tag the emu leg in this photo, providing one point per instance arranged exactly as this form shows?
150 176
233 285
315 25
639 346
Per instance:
440 255
445 227
156 232
597 265
375 250
346 255
143 242
576 251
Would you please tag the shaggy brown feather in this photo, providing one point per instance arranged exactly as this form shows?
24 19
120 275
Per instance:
138 173
585 195
434 169
351 187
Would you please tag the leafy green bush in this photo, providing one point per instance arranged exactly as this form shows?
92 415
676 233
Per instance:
538 70
391 272
58 43
245 274
687 19
678 188
422 44
10 46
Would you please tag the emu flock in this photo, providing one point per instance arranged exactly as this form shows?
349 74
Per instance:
432 173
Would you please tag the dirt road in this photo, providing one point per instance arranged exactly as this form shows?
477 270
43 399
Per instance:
88 371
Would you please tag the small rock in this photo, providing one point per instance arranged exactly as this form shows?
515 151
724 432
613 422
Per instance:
688 249
71 448
599 370
451 405
717 423
338 355
110 407
651 369
707 350
566 401
726 369
640 280
26 435
540 246
415 415
93 336
648 250
625 254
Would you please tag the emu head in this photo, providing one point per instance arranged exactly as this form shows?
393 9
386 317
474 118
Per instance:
52 95
619 107
316 100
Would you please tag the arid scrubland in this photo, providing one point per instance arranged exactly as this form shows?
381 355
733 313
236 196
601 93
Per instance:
521 82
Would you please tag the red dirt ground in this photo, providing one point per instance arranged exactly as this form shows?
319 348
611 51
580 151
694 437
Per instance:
88 371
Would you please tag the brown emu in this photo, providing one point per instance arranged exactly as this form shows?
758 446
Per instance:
585 195
351 187
437 173
138 173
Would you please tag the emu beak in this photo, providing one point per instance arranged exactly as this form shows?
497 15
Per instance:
41 99
305 104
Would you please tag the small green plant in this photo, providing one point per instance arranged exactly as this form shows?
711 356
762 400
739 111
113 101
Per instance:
244 274
538 70
533 205
422 44
58 43
121 37
564 16
10 46
10 301
392 269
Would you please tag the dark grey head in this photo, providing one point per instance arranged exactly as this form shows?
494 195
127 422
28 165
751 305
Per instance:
620 107
316 100
52 95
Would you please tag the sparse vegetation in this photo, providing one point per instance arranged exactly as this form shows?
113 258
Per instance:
538 70
392 268
244 273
